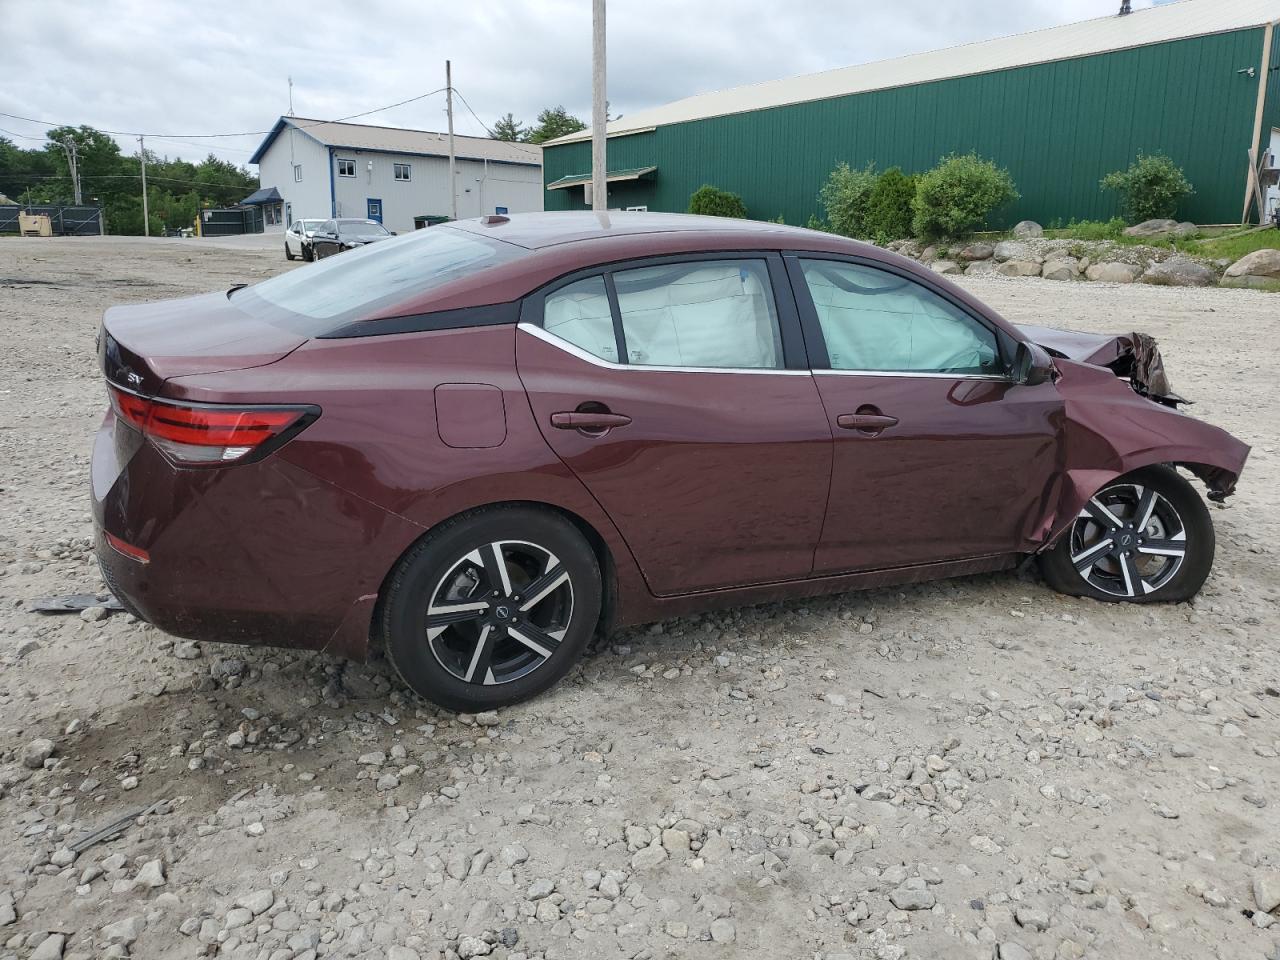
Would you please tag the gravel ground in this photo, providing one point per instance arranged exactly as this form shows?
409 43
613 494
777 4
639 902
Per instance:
976 768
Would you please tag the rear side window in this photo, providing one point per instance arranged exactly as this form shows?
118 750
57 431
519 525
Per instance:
716 314
579 314
878 321
712 313
360 283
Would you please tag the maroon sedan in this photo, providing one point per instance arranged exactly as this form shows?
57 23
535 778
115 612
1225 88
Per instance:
481 442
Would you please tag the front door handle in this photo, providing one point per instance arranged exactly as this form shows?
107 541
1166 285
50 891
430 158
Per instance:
868 423
585 420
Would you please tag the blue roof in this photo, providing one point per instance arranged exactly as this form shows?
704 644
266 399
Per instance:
265 195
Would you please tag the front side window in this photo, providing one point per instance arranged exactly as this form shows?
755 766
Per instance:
402 171
877 321
346 168
579 314
710 313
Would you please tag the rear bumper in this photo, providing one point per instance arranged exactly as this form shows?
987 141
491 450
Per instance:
261 553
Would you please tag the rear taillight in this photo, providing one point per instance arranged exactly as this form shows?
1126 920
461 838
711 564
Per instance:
204 434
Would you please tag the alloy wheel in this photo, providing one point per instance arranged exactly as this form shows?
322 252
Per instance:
1128 541
499 612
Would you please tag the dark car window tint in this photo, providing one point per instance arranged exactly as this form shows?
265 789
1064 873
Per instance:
711 313
360 228
873 320
325 295
579 314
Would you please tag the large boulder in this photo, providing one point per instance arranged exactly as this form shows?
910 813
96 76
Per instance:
1061 268
1028 230
1013 250
1185 230
981 268
977 251
1113 272
1019 268
1179 273
946 266
1260 263
1152 228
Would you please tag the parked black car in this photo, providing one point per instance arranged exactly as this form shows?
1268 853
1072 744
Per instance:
334 236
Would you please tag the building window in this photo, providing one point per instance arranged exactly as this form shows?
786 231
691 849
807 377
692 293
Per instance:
346 168
403 171
297 173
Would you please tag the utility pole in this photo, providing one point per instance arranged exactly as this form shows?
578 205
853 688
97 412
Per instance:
599 110
69 145
453 170
146 216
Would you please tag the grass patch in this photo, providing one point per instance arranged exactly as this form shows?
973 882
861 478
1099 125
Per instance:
1233 246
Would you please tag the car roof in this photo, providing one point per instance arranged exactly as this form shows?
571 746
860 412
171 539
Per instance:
535 231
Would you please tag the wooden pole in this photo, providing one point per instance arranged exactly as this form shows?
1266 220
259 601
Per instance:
453 160
1259 112
599 110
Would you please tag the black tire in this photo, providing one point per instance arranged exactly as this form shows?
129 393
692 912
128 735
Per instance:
462 667
288 254
1125 564
308 254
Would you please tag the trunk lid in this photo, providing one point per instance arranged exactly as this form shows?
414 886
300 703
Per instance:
143 345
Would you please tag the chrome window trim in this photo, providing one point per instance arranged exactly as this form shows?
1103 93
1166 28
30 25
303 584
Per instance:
921 374
576 351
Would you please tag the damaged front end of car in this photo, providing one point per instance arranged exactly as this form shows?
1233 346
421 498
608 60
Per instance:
1134 357
1120 414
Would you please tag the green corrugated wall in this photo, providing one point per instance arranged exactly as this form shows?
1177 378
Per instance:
1058 128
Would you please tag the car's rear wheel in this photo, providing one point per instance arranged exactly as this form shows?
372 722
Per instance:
492 608
288 253
1144 538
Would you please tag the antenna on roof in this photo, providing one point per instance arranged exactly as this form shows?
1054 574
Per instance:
1125 9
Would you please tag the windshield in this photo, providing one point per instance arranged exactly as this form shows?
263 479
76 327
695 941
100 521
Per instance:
360 228
309 224
368 280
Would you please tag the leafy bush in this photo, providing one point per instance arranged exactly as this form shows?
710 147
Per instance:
1150 189
845 197
888 214
955 198
713 202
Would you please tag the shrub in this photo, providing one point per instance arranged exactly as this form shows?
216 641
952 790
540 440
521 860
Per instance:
1150 189
845 197
955 198
888 215
713 202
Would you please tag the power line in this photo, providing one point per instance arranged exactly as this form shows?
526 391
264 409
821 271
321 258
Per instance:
129 176
473 113
214 136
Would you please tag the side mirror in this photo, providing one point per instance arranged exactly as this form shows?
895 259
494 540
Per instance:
1032 365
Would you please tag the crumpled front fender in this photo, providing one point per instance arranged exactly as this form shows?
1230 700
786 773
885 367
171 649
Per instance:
1109 430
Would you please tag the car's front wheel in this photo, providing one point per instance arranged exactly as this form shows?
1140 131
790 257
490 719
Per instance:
1144 538
308 253
492 608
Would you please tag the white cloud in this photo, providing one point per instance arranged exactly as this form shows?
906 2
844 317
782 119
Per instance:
181 69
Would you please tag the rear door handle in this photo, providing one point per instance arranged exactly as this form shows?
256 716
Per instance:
588 421
865 422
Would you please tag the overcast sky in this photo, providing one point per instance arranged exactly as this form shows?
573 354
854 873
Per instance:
184 68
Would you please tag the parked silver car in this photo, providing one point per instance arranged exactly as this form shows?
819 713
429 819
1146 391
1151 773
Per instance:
298 238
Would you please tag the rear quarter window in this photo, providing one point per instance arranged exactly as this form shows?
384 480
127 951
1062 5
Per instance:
352 286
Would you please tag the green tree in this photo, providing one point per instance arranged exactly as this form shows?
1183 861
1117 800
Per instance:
845 196
889 213
554 122
1150 189
509 128
713 202
957 196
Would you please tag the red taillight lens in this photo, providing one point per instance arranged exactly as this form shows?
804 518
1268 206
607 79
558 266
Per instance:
208 433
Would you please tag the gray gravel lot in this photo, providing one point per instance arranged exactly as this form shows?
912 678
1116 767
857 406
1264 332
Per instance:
978 768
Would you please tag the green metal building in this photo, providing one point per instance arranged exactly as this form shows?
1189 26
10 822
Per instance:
1198 80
